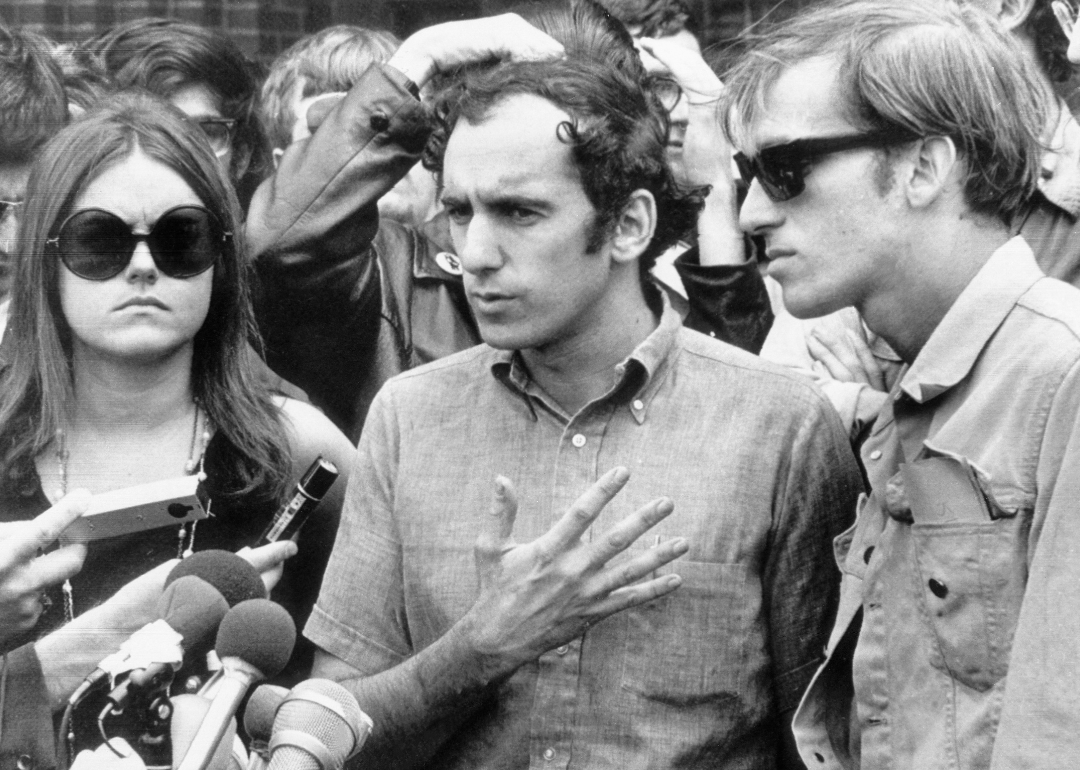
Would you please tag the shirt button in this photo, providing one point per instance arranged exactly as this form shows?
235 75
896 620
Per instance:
549 754
578 440
875 455
562 649
25 762
639 404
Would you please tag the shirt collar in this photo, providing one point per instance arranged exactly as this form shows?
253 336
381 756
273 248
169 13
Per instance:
637 377
1059 177
959 339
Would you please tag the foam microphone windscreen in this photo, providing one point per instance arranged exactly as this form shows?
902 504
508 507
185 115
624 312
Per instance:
189 711
237 580
193 608
261 709
258 632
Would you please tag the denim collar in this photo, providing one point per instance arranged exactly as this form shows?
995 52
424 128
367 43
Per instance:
954 346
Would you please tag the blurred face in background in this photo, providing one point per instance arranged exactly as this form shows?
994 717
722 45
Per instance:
13 177
202 106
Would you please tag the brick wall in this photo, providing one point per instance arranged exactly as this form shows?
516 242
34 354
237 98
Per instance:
263 28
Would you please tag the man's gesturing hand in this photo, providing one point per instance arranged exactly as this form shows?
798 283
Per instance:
536 596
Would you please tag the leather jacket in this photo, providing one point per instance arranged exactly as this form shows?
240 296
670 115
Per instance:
346 301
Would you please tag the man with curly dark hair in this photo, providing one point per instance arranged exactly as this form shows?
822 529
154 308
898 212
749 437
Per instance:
484 611
353 298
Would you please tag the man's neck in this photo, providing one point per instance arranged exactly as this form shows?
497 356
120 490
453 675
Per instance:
928 280
581 369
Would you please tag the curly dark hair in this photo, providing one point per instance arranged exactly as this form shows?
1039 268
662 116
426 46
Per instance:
617 129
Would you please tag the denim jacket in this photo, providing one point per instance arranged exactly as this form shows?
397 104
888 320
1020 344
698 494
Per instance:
955 641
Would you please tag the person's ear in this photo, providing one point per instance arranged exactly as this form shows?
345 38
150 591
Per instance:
932 171
1014 13
635 227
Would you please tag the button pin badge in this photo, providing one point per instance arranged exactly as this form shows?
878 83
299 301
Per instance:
449 262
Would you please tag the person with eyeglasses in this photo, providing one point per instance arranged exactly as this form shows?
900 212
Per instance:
126 365
203 73
712 275
35 107
890 147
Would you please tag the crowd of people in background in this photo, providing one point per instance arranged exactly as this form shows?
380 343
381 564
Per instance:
686 417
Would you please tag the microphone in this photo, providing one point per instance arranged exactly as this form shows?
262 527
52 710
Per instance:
259 716
190 610
305 498
230 574
254 642
189 711
318 726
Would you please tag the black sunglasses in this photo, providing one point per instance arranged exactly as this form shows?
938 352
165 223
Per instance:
782 168
97 245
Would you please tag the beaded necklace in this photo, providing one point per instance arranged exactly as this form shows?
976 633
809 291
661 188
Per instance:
196 458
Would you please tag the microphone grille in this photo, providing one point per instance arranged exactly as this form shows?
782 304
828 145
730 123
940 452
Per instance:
261 710
326 712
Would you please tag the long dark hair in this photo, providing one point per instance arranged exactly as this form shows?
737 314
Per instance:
36 390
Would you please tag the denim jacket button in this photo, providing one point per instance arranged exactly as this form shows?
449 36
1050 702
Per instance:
938 589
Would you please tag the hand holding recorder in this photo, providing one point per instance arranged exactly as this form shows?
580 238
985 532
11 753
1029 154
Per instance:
24 574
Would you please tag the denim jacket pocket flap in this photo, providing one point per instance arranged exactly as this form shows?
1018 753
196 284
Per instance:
972 578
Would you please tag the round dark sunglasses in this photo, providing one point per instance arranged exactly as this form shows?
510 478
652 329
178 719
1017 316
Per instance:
782 168
97 245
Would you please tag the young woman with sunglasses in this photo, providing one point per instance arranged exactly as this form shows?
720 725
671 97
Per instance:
128 363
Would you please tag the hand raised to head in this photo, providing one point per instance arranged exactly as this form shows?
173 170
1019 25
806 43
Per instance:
536 596
1067 20
706 152
443 46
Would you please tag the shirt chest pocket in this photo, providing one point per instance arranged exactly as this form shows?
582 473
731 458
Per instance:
702 643
972 578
